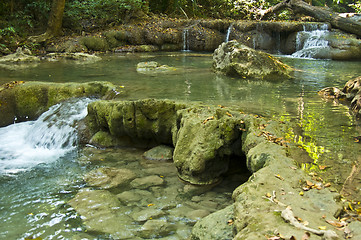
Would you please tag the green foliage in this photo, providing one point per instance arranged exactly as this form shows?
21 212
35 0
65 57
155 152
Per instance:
104 11
356 6
8 31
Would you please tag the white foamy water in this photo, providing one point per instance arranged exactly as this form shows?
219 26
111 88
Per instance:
27 144
312 42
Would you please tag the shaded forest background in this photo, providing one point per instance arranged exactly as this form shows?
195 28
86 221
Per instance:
22 18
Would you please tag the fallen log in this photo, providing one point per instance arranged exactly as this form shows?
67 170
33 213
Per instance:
319 13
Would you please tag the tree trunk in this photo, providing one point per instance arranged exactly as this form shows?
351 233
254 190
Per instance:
56 18
321 14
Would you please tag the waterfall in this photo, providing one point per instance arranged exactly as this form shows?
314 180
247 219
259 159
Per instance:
229 30
312 42
186 39
27 144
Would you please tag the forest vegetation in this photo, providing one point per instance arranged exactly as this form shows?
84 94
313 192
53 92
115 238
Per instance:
20 19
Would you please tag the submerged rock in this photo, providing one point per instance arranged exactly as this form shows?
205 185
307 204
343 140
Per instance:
161 152
106 177
100 212
236 59
146 182
156 228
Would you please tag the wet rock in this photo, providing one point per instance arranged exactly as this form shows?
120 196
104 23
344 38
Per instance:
235 59
351 91
147 214
98 209
146 182
197 214
159 153
214 226
352 87
132 197
153 68
332 93
107 177
156 228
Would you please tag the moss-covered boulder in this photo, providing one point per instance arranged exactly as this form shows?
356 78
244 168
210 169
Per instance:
28 100
236 59
144 123
205 140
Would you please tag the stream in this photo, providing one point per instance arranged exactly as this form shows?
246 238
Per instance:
38 177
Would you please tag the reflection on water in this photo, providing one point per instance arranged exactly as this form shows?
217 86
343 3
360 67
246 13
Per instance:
36 200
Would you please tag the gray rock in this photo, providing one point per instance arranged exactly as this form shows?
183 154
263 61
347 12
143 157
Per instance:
146 182
107 178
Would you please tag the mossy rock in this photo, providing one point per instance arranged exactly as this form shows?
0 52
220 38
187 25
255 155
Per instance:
95 43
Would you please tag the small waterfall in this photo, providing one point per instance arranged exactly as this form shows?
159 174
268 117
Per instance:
27 144
229 30
312 42
186 39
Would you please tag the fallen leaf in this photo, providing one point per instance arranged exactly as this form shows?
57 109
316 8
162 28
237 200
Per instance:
336 223
327 185
309 183
279 177
228 114
150 204
322 167
322 227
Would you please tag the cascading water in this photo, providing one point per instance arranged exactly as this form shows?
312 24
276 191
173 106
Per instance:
312 42
52 135
186 39
229 30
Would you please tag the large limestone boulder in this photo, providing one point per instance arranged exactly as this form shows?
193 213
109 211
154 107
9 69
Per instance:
28 100
236 59
205 140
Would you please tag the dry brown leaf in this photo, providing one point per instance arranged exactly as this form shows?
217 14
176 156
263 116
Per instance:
336 223
309 183
322 167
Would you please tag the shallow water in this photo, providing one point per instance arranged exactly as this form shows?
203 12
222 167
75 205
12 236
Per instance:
36 199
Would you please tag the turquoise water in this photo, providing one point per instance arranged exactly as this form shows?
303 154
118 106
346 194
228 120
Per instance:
34 202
